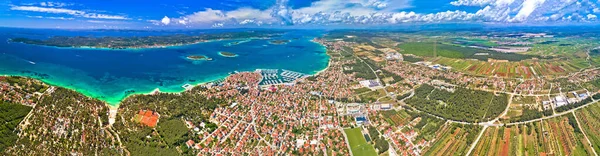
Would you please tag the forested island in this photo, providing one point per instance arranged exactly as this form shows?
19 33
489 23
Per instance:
111 42
198 57
227 54
279 41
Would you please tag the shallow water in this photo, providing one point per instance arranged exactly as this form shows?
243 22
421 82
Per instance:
112 75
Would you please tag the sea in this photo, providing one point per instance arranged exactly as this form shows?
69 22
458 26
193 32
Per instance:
113 75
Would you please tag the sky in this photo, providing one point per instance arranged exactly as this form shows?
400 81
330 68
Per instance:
177 14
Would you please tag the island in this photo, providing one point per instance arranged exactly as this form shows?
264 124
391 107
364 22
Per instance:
136 42
238 42
279 41
227 54
198 58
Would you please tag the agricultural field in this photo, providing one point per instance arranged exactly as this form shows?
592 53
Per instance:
556 136
396 118
564 86
524 100
427 127
372 96
592 86
426 49
358 143
589 120
474 42
566 137
562 46
520 114
523 69
515 140
453 139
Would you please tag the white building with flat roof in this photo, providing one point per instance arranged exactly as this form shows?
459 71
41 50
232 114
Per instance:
560 101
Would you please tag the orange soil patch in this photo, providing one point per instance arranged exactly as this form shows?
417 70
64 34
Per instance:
566 135
147 117
472 68
556 130
506 142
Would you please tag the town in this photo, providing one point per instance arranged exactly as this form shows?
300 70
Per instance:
376 97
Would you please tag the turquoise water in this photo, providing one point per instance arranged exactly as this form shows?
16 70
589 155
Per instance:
112 75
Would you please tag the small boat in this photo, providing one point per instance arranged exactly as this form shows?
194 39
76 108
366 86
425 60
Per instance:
31 62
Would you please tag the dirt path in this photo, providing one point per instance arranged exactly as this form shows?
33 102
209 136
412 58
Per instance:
584 135
476 140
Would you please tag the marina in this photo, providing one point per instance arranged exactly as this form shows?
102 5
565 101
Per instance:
277 76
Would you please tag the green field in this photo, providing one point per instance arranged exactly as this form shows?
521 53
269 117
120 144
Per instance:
589 119
358 144
426 49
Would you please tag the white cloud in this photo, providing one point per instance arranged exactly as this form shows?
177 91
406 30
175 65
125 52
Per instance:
247 21
527 8
402 17
241 15
47 10
217 25
249 13
182 21
104 16
96 21
54 4
77 13
353 7
206 16
591 16
472 2
525 11
166 20
60 18
503 2
324 12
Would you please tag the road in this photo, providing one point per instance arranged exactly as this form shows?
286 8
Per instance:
378 80
548 117
584 135
507 124
476 140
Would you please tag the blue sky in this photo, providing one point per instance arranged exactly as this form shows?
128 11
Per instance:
167 14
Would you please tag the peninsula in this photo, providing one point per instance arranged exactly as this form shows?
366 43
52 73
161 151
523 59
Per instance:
135 42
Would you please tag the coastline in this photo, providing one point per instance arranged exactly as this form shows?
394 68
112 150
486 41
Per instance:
115 100
128 48
157 90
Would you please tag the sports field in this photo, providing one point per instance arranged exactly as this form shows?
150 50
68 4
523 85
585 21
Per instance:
358 144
